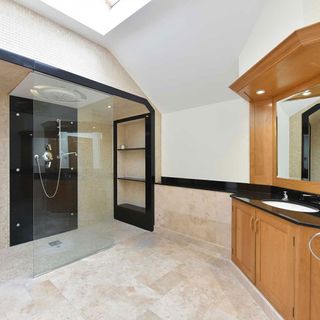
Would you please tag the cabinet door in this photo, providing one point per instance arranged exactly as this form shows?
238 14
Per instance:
275 261
315 280
243 238
307 293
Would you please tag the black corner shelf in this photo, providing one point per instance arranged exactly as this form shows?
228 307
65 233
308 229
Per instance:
138 213
132 179
131 149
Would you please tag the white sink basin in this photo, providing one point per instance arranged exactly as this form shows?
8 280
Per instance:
290 206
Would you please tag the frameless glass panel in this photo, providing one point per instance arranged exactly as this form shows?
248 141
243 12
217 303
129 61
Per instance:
73 180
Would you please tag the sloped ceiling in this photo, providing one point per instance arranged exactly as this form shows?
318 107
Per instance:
182 53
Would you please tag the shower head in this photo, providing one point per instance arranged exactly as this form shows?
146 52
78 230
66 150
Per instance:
58 94
69 153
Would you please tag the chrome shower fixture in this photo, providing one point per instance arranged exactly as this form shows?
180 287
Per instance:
69 154
48 158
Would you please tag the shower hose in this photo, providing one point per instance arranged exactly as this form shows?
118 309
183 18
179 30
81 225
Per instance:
59 171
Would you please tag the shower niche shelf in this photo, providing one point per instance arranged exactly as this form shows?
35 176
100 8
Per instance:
132 179
131 149
132 207
132 173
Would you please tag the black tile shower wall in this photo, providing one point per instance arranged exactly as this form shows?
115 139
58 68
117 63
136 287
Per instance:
33 125
21 170
59 214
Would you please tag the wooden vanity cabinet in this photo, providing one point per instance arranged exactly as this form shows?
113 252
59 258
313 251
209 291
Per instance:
263 248
243 238
275 261
307 276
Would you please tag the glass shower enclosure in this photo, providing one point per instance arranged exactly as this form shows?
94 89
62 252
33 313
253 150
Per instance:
63 172
68 147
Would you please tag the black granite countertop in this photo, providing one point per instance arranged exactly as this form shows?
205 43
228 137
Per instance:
300 218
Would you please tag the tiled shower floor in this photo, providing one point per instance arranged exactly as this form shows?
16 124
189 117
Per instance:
46 254
141 276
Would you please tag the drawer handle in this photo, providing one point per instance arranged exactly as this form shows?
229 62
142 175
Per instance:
310 245
251 223
256 225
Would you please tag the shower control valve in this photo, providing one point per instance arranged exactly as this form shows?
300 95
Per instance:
47 156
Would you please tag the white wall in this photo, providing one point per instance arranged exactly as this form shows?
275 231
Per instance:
209 142
311 11
277 20
212 142
27 33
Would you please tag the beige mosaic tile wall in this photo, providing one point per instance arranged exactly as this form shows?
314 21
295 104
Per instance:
295 145
25 32
10 76
200 214
4 170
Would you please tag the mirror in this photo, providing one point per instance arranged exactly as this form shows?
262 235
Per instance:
298 136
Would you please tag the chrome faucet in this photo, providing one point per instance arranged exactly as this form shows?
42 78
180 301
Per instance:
285 196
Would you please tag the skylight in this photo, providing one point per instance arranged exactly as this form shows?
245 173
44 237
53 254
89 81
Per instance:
112 3
99 15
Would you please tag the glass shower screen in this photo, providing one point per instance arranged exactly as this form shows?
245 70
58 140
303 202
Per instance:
72 171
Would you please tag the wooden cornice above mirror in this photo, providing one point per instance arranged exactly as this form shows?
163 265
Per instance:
294 61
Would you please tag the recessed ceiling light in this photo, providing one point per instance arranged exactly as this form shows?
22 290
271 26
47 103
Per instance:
260 92
306 93
109 107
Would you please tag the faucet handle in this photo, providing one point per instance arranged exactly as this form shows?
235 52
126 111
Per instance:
285 196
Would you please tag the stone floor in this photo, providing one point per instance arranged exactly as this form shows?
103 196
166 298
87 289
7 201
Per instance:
39 256
144 276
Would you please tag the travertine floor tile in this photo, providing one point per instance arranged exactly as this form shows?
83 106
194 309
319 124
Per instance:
142 276
167 282
149 315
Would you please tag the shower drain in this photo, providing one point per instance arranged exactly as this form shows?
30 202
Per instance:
56 243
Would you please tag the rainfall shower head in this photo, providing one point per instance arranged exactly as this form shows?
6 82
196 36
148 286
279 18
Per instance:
58 94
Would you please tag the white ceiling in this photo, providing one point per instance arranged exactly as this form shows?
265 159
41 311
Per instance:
182 53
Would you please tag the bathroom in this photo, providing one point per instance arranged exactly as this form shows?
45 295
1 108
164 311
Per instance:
151 169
